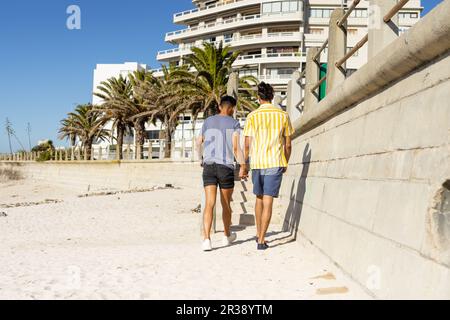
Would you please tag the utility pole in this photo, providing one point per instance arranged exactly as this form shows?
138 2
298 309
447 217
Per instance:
9 131
29 134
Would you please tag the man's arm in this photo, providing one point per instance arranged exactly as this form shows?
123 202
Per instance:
237 150
288 133
247 146
288 148
199 147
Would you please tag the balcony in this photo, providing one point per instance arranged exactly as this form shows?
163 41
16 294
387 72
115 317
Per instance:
276 79
182 17
287 57
238 42
233 24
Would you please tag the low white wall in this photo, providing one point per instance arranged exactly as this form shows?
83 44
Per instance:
95 175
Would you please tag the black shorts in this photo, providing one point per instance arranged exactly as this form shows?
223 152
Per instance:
218 175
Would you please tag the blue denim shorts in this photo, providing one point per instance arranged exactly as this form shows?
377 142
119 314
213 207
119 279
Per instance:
267 182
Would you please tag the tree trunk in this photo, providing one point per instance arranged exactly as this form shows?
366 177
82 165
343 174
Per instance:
88 150
120 134
73 140
168 149
140 139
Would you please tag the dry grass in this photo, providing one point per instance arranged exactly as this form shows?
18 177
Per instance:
9 174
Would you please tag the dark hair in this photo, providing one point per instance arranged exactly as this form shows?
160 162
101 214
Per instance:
228 101
265 91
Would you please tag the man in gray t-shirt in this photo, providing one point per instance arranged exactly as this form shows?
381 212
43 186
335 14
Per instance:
218 147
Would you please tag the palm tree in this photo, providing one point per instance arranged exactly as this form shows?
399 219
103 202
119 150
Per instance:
87 124
164 99
138 108
66 131
213 66
115 93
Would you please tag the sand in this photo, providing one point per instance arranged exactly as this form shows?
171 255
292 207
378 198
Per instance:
146 245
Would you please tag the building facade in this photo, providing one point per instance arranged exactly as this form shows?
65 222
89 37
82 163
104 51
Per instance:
273 36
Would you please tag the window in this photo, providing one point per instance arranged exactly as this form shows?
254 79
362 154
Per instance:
352 32
248 72
286 6
276 7
316 31
320 13
152 134
359 13
294 6
408 15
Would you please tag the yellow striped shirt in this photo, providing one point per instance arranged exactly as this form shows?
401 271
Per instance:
268 126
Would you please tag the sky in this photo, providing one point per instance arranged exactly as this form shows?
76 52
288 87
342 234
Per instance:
47 69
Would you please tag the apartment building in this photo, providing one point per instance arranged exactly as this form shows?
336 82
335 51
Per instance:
272 36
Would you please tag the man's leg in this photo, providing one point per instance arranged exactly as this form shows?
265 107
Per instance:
225 198
210 203
266 218
258 215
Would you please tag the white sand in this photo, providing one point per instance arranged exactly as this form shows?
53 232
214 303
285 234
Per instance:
145 246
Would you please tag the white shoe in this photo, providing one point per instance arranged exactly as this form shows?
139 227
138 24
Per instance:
229 240
207 246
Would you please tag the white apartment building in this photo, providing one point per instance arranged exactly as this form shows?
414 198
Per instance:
273 36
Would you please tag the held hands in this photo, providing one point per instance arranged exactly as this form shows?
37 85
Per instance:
243 172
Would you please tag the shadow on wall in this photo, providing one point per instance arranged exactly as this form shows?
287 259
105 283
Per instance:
295 208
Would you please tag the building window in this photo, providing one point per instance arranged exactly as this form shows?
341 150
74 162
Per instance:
359 13
320 13
153 135
248 73
352 32
280 7
316 31
408 15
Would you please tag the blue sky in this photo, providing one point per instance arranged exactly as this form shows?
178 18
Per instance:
47 69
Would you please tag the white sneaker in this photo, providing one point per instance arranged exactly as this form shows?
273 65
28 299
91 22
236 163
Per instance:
207 246
229 240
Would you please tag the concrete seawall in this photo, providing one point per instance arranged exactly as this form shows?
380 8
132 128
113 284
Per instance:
369 181
95 175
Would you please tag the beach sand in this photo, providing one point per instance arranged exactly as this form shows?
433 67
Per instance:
146 246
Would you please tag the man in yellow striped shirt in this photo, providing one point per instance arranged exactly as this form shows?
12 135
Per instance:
268 133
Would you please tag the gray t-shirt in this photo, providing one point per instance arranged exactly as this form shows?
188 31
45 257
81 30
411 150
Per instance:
218 134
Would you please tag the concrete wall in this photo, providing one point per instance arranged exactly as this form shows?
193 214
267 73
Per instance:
97 175
365 183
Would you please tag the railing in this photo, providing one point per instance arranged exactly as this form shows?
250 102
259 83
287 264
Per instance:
271 55
235 41
211 6
224 22
79 154
341 24
387 18
275 77
169 51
